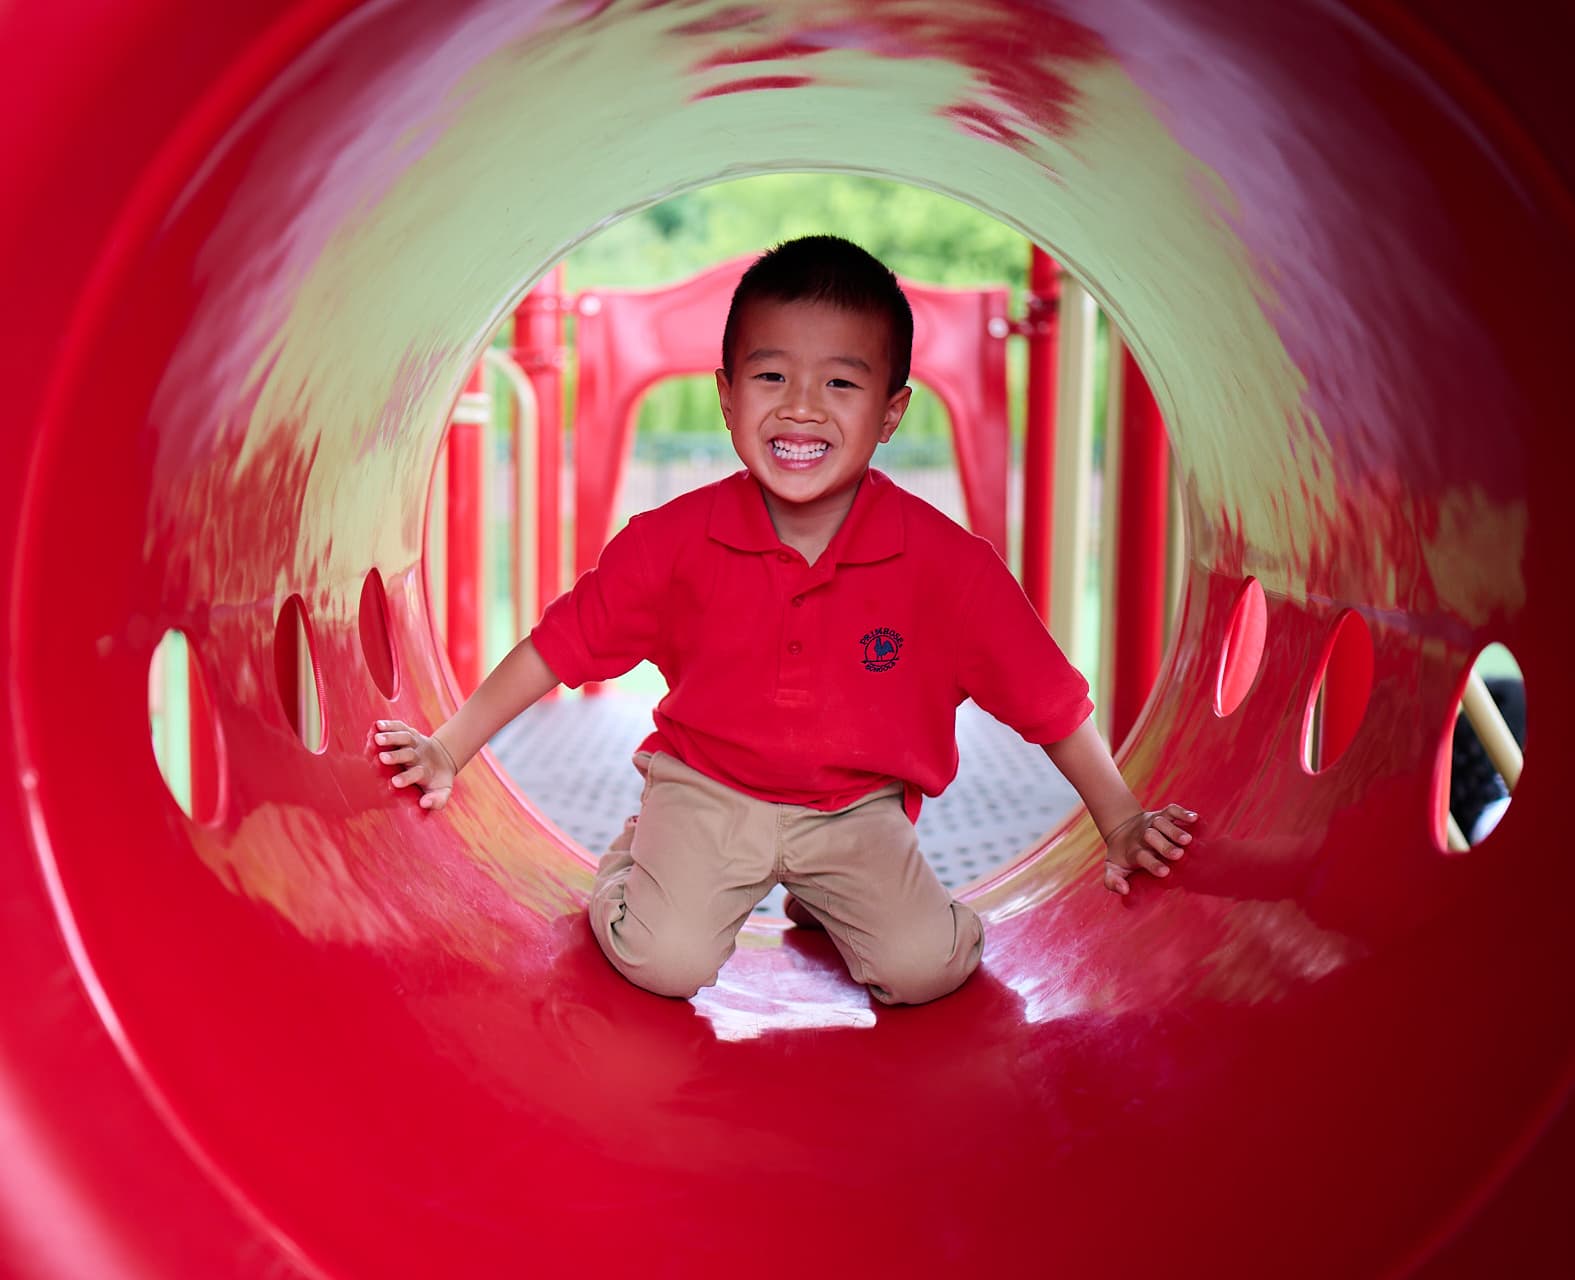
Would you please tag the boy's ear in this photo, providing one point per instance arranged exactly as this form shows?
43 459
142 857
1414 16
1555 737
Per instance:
895 408
724 395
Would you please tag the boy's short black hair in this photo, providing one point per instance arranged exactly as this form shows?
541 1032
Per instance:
834 271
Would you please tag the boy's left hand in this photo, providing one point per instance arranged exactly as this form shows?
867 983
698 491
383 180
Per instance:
1147 841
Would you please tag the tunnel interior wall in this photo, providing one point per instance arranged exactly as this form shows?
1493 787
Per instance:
1342 264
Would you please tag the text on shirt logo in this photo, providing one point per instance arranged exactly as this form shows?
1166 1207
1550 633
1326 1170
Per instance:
880 649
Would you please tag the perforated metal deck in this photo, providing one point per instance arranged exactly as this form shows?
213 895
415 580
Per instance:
571 756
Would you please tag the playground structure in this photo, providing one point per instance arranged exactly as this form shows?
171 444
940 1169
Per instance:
310 1030
627 341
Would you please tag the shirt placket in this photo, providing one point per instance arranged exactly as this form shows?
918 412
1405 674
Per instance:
795 656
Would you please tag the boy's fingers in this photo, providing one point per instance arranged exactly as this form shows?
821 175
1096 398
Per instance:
409 777
1116 879
1174 833
1178 814
436 799
1152 863
1160 844
404 755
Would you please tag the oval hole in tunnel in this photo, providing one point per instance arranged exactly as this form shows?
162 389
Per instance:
1243 651
187 745
376 646
1480 753
1340 693
295 670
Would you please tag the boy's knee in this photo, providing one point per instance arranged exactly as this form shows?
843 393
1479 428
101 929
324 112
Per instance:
674 970
668 962
916 972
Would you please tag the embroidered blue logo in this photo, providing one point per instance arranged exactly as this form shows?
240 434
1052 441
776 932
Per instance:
880 649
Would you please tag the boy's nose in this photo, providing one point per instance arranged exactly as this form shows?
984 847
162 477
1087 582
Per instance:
801 406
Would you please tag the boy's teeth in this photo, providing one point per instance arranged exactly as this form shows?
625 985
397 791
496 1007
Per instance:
798 451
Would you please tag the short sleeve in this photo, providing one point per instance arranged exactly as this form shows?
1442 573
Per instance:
1009 663
609 621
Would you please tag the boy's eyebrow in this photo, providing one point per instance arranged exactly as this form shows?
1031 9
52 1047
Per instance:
775 353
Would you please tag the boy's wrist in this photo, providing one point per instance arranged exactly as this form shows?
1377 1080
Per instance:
443 747
1107 834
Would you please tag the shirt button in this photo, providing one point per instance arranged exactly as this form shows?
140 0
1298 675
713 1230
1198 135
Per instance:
795 647
797 601
785 557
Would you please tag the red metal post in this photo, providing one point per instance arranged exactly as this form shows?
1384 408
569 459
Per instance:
1039 429
1142 513
466 543
539 351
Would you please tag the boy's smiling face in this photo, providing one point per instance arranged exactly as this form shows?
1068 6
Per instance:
807 403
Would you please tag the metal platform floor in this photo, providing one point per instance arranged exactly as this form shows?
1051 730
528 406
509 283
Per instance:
571 756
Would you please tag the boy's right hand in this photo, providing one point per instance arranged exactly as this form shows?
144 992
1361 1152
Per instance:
430 766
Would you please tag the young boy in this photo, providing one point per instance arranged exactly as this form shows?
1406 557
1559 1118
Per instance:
818 627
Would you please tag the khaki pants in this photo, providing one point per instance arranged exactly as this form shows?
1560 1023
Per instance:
677 885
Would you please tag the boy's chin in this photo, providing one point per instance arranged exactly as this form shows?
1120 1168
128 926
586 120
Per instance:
818 476
807 496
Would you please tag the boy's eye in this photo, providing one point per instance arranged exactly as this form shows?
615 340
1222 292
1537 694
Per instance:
768 376
843 382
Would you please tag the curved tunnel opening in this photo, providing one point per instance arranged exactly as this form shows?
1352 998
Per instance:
569 755
417 1002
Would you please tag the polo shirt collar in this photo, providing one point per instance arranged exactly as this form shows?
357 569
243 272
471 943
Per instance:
873 530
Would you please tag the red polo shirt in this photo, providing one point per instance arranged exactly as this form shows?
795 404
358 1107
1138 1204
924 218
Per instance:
814 684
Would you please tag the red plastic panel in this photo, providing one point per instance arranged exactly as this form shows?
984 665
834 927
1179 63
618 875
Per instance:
333 1035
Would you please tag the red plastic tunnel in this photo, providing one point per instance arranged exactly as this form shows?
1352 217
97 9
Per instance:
250 251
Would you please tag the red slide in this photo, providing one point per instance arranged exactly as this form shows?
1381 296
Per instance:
250 251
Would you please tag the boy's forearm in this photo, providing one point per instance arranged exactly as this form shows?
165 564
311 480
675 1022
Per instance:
514 684
1085 762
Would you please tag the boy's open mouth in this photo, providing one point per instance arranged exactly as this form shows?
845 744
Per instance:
800 453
